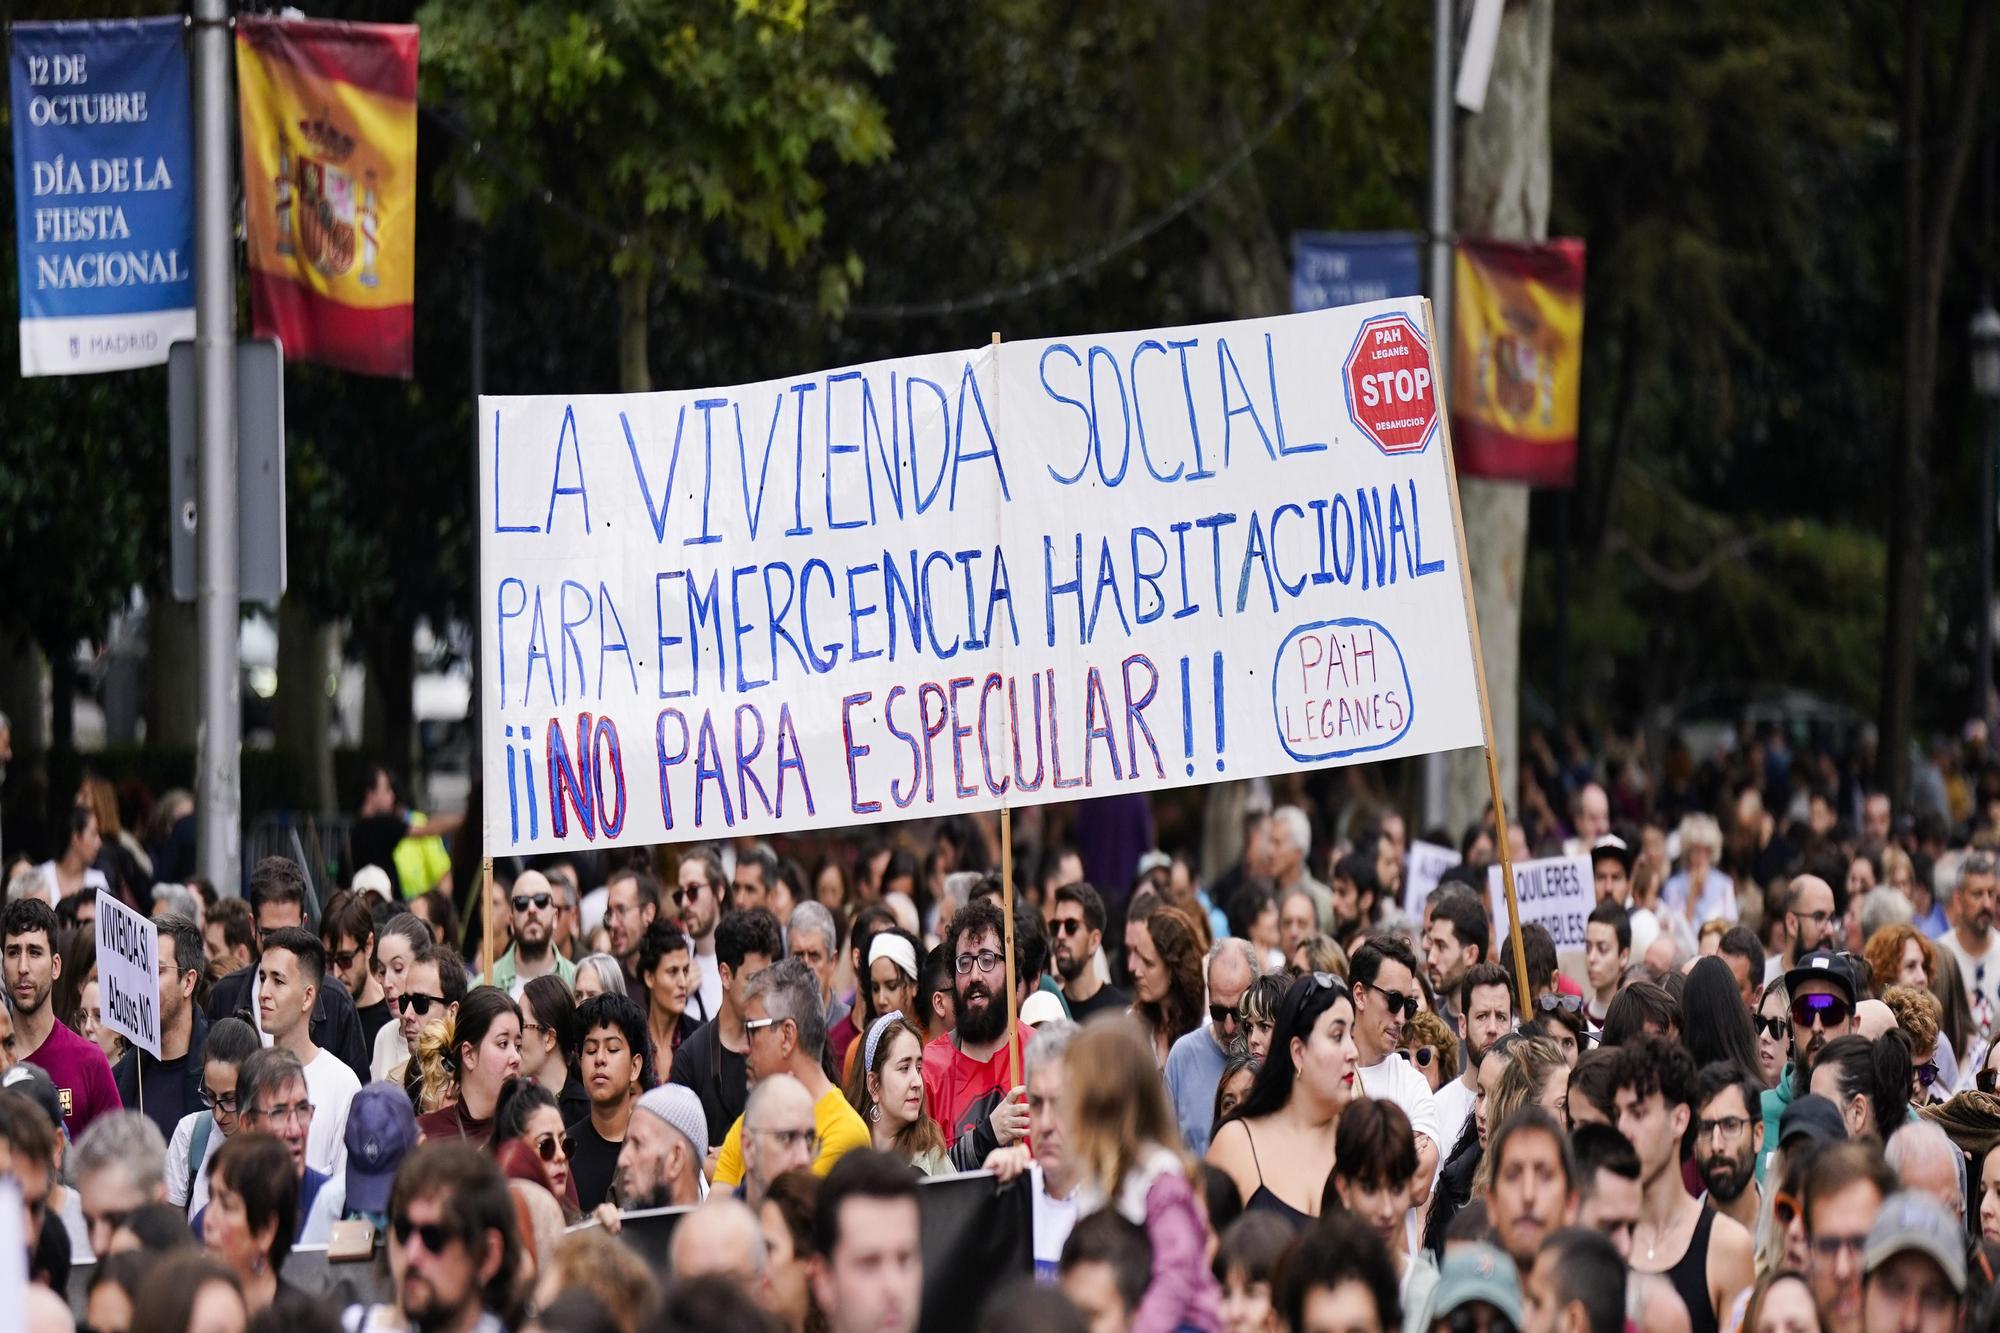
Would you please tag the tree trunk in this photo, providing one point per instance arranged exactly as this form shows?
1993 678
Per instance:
304 710
1503 191
633 377
388 731
62 702
21 692
1928 207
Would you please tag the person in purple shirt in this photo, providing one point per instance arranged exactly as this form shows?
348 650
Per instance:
82 1075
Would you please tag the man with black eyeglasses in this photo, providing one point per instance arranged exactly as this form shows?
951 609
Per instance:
1194 1065
272 1098
714 1059
1812 912
965 1070
1076 935
1729 1140
1822 992
1383 975
1972 939
536 904
347 929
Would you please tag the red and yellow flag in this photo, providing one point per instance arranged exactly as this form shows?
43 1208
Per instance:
329 186
1517 358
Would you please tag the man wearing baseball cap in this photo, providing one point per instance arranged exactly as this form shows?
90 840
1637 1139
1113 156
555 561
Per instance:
381 1130
1476 1275
1913 1267
1822 991
660 1164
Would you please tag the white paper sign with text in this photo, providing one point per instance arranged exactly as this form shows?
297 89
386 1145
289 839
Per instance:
1558 892
1422 870
128 973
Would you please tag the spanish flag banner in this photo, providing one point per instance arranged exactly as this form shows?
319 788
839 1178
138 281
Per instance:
329 187
1517 357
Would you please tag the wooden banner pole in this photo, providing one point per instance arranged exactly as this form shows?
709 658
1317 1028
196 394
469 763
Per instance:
486 916
1500 839
1007 870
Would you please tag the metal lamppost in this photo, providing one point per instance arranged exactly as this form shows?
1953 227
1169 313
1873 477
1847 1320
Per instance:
1985 340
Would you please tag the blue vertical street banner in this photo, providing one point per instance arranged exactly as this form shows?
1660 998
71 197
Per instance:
103 193
1336 268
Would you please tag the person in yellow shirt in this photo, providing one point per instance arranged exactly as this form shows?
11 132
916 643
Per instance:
784 1021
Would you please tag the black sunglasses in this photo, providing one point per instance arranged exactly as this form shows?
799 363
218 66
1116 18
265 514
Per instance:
545 1146
1218 1014
1420 1057
421 1003
344 958
1067 925
1406 1005
435 1235
1775 1028
539 901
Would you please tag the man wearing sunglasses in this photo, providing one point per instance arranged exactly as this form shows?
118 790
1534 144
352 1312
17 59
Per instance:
535 905
785 1020
1194 1064
1383 975
700 887
1076 934
452 1222
1822 995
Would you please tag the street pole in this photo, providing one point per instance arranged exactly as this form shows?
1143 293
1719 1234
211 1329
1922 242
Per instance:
1442 111
218 778
1982 683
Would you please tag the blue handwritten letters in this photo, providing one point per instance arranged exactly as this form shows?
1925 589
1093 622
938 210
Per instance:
1032 572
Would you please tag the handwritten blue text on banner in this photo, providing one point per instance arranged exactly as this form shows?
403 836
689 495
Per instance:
1032 572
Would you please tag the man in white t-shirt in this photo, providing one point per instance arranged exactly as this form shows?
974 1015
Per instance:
1052 1178
1488 1003
290 971
1383 974
1972 939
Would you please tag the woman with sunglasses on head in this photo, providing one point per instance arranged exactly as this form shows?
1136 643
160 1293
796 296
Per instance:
482 1052
1293 1110
527 1124
888 1093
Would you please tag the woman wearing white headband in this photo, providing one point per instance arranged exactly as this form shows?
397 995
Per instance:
889 1094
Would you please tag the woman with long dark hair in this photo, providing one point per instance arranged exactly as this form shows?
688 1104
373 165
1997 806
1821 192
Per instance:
483 1052
527 1114
1714 1023
1167 985
1293 1110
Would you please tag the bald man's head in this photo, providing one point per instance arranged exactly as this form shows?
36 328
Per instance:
722 1239
779 1133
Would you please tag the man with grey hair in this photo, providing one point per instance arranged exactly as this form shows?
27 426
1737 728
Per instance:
1972 939
271 1098
784 1022
722 1238
120 1165
1052 1175
180 900
1926 1160
814 940
1291 847
1194 1065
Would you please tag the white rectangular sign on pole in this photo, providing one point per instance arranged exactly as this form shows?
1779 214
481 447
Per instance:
128 973
1031 572
1558 893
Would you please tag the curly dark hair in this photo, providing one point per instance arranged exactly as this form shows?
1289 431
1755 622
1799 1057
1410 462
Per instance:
1648 1065
1178 1012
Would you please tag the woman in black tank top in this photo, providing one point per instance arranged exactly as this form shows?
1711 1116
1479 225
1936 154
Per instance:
1286 1125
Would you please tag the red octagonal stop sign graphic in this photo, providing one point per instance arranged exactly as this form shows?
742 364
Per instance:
1388 381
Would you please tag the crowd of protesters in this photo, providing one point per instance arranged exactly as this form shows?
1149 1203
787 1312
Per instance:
1298 1092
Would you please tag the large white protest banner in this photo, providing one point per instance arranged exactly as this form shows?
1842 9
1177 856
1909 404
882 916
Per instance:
128 976
1030 572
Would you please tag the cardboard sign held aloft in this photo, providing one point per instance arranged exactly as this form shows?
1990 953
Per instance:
128 973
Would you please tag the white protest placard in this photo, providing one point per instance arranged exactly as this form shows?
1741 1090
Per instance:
1031 572
1558 892
1422 869
128 975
